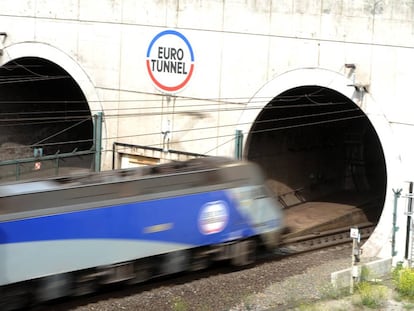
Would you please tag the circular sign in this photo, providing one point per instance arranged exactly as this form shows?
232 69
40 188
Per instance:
213 217
170 61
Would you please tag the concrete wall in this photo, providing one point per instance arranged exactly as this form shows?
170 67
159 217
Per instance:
241 49
376 270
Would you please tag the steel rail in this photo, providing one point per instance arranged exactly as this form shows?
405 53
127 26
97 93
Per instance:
323 239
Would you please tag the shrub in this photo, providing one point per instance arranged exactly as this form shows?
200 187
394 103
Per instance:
404 281
371 295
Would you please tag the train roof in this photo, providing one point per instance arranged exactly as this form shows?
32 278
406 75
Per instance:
117 176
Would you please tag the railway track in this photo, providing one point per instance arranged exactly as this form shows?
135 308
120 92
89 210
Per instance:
289 247
218 288
323 239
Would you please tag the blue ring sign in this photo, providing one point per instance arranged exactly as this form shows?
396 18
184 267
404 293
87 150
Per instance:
170 61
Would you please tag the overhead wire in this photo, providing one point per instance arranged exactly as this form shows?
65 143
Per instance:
8 81
256 122
41 77
83 119
50 119
233 136
239 101
108 113
215 105
230 32
207 128
125 112
58 133
212 102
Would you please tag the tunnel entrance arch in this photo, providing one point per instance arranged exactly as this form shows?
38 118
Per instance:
322 143
44 104
317 144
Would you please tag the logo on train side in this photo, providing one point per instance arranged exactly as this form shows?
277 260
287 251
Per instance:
213 217
170 61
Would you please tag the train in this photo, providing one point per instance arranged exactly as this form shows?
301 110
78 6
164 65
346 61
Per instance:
71 235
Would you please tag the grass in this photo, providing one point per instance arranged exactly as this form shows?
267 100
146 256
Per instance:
179 304
370 295
404 282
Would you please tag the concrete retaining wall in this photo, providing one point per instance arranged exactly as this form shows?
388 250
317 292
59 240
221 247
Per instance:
376 269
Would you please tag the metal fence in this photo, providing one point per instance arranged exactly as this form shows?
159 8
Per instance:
46 166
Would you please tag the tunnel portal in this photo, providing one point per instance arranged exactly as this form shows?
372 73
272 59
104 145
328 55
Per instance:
43 108
318 146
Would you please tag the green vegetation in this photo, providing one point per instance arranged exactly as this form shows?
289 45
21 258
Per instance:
308 307
179 304
408 306
394 291
366 274
370 295
329 291
404 282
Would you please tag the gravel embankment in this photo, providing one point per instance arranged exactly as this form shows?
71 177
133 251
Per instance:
278 285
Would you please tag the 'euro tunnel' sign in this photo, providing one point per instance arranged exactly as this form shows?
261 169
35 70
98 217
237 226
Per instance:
170 61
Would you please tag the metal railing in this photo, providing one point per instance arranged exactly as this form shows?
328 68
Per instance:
44 166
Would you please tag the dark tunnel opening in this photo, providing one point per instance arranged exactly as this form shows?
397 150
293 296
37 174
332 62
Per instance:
316 145
42 106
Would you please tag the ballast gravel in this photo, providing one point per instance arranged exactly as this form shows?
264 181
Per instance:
281 284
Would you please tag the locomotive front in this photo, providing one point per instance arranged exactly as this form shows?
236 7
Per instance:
256 202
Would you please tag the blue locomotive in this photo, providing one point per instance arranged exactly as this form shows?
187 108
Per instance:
69 235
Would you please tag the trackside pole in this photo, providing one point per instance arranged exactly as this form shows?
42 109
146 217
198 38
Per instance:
356 238
238 150
408 256
97 140
395 228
